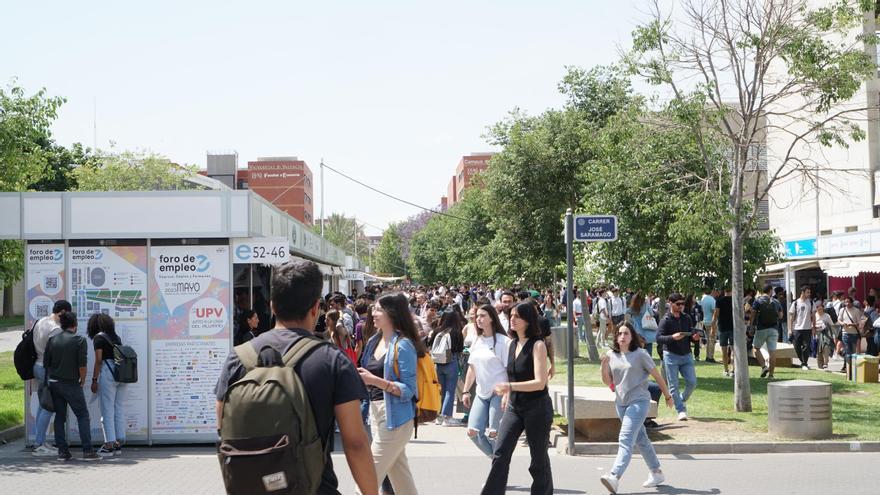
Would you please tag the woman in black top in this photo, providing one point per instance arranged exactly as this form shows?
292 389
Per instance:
102 331
526 405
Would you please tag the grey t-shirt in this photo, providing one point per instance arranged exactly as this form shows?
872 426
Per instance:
630 371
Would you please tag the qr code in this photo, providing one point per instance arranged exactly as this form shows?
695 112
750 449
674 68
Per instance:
41 310
51 282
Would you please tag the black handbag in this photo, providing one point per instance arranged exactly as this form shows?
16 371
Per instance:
45 396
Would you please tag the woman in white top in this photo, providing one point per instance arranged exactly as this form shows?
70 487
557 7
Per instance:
487 367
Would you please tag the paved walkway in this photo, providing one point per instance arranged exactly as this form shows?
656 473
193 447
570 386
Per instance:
10 337
445 462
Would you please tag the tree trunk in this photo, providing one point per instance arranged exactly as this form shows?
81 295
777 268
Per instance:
8 310
742 394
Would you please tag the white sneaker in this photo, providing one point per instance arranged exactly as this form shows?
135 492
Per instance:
44 451
610 481
438 421
805 367
450 421
682 416
654 479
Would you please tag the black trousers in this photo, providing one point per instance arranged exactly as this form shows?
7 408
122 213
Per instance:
802 340
535 417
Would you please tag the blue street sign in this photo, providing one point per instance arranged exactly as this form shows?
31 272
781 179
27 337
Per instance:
595 228
800 248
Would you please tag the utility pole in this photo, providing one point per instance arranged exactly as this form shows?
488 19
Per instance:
569 311
322 197
355 237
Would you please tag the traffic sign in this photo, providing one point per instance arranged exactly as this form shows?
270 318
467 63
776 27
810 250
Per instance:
595 228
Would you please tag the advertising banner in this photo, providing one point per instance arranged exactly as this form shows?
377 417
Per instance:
189 338
44 279
113 281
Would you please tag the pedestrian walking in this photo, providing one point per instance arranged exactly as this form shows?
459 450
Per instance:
642 319
676 334
102 330
802 314
707 305
626 368
825 336
487 368
66 361
446 343
527 406
850 319
724 318
392 356
765 313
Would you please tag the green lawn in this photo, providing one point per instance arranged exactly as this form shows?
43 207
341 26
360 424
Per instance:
14 321
854 406
11 393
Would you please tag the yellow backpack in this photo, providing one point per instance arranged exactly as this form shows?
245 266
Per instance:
427 389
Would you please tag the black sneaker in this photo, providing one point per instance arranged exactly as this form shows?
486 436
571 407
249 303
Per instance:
64 456
765 372
117 448
106 451
650 423
91 456
710 360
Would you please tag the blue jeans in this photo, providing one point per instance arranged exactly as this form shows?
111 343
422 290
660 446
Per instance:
42 416
581 327
70 394
649 346
850 341
448 376
112 395
632 432
484 418
674 365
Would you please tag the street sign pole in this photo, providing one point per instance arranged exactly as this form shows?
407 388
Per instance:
569 257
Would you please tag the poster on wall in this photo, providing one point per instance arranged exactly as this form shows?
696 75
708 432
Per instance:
44 280
113 281
189 338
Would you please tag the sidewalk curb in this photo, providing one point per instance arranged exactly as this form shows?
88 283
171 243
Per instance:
11 434
560 441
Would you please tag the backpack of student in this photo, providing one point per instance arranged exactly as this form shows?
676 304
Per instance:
427 397
25 355
830 311
767 314
126 361
269 440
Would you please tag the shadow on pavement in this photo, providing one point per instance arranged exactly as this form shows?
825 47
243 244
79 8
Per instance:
527 489
677 491
22 461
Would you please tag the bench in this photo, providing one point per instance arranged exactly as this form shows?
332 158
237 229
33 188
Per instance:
785 355
595 414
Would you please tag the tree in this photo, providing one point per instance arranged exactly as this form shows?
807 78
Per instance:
742 70
340 230
132 171
24 129
387 258
60 163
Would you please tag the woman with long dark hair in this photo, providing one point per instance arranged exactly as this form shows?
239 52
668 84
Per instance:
390 359
247 328
446 343
638 313
102 331
526 405
626 368
487 367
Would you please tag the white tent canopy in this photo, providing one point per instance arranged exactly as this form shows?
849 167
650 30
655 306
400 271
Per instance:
850 267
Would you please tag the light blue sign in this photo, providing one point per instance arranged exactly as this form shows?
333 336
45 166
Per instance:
595 228
801 248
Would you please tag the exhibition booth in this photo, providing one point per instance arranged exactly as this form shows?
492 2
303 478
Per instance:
173 269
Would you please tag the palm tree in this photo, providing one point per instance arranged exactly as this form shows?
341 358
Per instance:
340 230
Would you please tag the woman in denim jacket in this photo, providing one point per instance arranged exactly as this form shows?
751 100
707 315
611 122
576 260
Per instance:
392 388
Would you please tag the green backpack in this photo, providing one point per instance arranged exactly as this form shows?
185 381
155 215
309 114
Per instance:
269 441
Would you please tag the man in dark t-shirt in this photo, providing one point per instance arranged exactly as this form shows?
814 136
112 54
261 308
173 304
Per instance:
724 317
330 379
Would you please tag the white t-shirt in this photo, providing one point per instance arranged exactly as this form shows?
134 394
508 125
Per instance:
505 321
803 311
618 306
490 363
46 328
603 306
578 306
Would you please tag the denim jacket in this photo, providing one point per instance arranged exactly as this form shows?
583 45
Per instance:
398 410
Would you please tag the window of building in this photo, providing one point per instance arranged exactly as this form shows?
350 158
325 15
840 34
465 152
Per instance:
763 216
308 182
242 184
307 199
825 232
461 176
852 228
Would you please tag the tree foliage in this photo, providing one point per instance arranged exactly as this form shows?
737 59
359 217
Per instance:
387 258
340 230
132 171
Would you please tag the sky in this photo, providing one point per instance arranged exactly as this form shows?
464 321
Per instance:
393 93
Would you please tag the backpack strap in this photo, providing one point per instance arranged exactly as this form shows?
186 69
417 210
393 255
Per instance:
247 355
300 349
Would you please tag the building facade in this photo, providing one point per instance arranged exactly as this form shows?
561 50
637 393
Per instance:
468 167
286 182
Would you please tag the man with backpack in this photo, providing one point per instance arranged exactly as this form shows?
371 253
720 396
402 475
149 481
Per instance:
46 328
297 456
766 313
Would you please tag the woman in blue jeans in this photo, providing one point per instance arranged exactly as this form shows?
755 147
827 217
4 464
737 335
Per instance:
850 320
487 367
446 343
625 368
102 331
